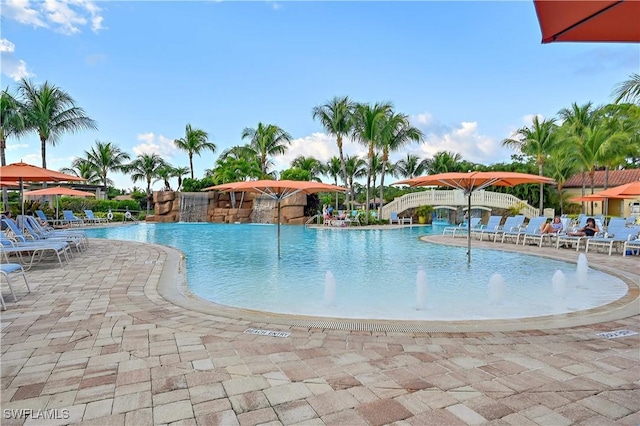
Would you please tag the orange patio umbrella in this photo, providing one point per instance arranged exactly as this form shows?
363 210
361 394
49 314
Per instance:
277 190
589 20
474 181
58 190
628 190
23 172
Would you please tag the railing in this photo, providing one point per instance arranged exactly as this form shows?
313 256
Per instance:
456 197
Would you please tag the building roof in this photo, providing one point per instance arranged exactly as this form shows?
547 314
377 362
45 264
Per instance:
616 177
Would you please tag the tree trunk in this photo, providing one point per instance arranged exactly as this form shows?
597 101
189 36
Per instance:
343 166
541 192
370 169
384 169
3 162
43 151
191 164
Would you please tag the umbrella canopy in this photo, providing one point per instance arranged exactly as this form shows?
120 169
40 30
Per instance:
628 190
8 184
474 181
589 20
277 190
23 172
59 190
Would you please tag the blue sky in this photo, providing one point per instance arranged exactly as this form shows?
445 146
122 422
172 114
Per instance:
468 73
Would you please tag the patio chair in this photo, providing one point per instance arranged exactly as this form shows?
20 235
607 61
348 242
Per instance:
532 227
631 247
77 238
10 271
615 237
91 217
492 224
461 229
35 250
72 219
393 218
567 240
511 224
541 238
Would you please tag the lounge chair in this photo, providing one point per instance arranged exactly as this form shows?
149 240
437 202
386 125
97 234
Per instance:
72 219
91 217
77 238
532 227
461 229
393 218
615 237
489 229
567 240
631 247
10 271
511 224
541 238
34 250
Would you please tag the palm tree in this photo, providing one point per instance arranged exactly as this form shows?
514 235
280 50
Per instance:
410 167
267 140
537 141
11 124
106 157
310 164
179 172
367 129
443 162
194 142
398 133
333 168
145 168
628 90
561 166
165 173
50 111
81 167
356 169
235 164
336 116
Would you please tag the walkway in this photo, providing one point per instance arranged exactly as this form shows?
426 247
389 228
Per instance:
96 343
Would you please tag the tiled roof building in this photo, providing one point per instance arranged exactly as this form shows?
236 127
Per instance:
616 177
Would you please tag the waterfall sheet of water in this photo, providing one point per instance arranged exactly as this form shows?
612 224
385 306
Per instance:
263 210
194 206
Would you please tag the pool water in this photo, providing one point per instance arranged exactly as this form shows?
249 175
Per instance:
375 273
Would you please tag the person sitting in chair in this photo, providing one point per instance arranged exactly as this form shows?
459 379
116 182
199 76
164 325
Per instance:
589 230
555 227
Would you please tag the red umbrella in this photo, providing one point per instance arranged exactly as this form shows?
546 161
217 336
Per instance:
474 181
589 20
277 190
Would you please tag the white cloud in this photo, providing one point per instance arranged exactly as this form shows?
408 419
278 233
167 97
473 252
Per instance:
11 66
152 144
16 146
528 118
424 119
65 16
21 11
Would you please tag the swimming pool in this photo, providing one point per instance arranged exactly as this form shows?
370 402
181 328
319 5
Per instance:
375 273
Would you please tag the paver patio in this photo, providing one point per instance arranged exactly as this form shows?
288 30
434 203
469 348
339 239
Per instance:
98 343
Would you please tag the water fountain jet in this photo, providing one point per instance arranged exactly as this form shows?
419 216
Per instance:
582 269
496 289
559 282
329 289
421 289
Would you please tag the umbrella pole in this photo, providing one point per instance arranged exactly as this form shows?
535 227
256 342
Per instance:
469 228
278 229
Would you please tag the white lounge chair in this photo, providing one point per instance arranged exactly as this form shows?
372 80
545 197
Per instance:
461 229
492 225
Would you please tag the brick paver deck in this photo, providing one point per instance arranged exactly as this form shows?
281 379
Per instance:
95 343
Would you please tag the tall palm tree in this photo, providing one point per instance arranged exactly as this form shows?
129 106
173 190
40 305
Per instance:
267 140
11 124
561 166
51 111
333 169
410 167
397 133
145 168
356 169
83 168
336 116
106 157
368 128
628 90
195 141
575 120
310 164
537 141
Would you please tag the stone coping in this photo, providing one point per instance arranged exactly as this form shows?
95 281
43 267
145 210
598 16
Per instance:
172 286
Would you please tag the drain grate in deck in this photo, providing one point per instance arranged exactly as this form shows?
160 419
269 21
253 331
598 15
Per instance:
616 334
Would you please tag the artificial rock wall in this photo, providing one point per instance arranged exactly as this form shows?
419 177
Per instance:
219 208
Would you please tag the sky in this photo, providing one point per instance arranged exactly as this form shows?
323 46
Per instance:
467 73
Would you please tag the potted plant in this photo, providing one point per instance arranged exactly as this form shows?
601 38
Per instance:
423 212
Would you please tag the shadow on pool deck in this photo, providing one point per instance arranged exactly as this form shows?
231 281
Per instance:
97 339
